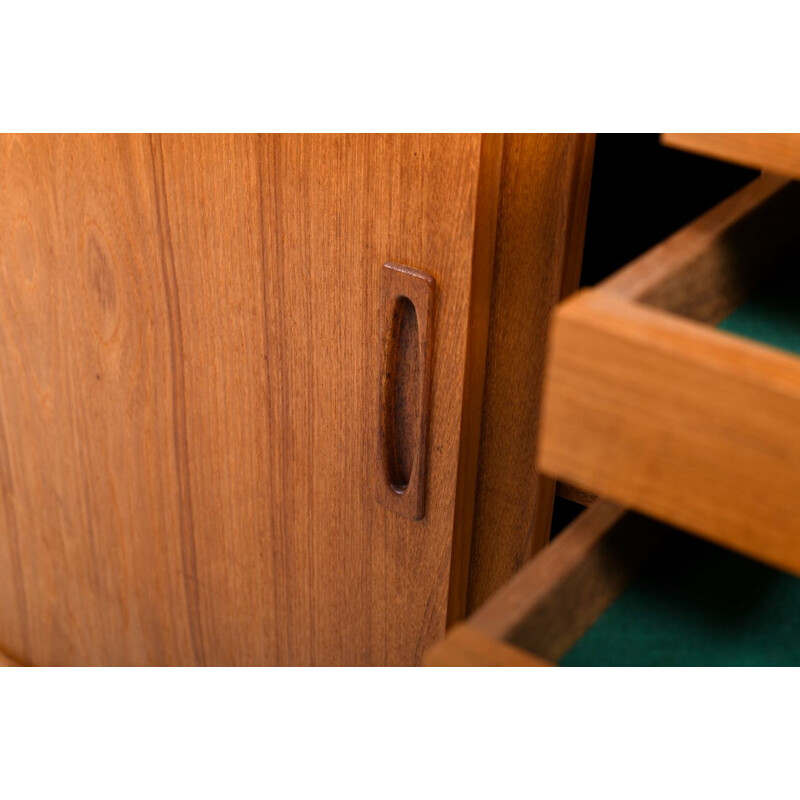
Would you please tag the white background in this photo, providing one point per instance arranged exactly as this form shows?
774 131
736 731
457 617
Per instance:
399 733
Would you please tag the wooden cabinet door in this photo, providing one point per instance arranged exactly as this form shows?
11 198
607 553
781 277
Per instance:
189 372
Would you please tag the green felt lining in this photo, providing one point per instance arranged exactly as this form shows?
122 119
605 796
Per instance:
698 605
772 314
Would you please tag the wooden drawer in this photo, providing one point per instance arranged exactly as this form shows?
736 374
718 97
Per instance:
619 589
648 404
772 152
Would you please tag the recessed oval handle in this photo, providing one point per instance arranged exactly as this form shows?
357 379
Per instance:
401 391
406 328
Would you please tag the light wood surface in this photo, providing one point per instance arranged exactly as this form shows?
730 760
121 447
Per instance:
188 374
467 647
676 420
673 418
772 152
542 217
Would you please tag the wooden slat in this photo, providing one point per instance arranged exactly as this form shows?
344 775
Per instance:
676 420
552 601
673 418
556 598
574 494
772 152
467 647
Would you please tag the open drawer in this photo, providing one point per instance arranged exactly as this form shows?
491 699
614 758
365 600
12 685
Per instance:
619 589
772 152
661 394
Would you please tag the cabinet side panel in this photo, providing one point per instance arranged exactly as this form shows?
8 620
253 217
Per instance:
540 232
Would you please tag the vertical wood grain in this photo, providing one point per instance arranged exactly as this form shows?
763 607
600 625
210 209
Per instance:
90 469
540 233
187 389
484 226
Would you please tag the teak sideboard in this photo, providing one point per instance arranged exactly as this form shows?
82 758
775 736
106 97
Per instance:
272 399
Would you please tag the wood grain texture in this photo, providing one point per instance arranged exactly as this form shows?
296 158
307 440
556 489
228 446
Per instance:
188 368
772 152
480 288
467 647
670 417
540 232
406 327
556 598
89 570
676 420
574 494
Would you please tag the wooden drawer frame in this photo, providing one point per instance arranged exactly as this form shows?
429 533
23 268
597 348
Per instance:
772 152
537 617
647 405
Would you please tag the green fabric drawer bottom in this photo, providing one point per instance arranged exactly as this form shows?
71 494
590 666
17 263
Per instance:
697 604
772 315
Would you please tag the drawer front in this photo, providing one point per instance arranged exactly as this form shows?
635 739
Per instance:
773 152
650 406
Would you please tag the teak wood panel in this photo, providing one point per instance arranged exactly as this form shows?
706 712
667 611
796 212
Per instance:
771 152
188 377
540 232
671 417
